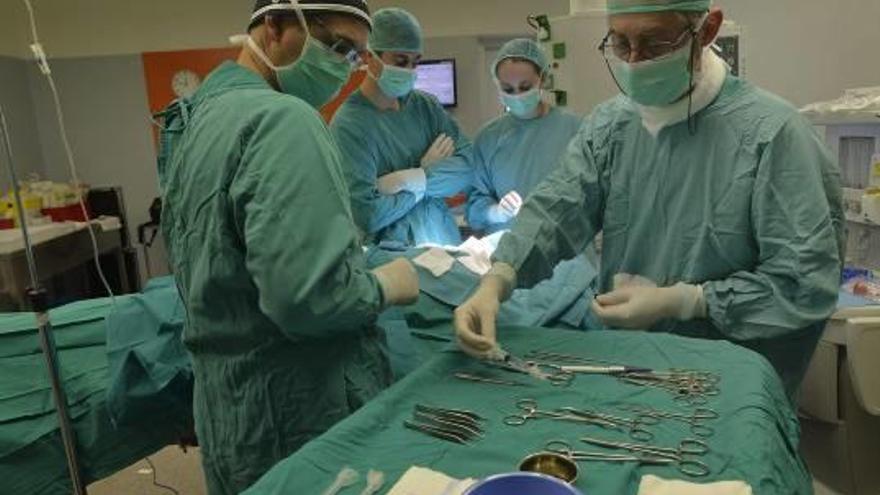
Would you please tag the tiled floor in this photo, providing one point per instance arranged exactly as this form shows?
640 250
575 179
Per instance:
174 468
821 489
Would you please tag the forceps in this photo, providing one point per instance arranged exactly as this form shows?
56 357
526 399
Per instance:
681 456
691 388
554 374
557 375
697 419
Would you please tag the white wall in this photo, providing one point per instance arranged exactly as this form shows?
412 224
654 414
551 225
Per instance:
15 98
810 50
110 27
107 120
12 29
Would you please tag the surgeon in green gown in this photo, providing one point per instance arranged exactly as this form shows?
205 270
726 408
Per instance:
280 306
720 207
404 154
516 151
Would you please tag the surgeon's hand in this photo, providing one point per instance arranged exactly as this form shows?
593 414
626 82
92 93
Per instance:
399 282
640 307
506 209
413 180
475 328
443 148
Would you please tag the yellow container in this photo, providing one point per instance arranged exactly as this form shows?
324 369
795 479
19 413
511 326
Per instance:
33 206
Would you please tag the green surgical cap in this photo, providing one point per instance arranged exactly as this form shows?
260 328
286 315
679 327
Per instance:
640 6
396 30
523 48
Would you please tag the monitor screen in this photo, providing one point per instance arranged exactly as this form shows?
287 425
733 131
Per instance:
437 77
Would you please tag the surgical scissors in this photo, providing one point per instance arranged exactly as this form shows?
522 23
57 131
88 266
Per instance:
529 410
634 426
697 419
681 456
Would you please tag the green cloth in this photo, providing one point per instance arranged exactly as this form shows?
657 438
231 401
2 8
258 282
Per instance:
376 143
396 30
642 6
522 48
512 154
750 206
756 438
31 454
270 270
150 369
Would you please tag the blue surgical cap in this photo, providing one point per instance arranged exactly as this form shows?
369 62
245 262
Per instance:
522 48
396 30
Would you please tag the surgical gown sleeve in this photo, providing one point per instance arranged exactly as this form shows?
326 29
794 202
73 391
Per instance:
290 204
372 210
453 175
563 215
482 197
796 225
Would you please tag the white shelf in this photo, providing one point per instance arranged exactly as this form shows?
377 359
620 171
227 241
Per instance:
866 118
852 217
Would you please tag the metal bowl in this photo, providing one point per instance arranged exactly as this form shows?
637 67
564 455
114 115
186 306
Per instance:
551 464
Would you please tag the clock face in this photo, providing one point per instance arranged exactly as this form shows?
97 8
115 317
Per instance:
185 83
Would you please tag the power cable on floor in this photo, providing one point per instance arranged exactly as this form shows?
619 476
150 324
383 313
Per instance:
155 482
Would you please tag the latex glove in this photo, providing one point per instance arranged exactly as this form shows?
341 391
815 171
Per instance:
399 282
475 320
640 307
443 147
506 210
413 180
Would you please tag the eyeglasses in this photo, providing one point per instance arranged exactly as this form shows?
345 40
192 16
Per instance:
347 50
340 45
617 45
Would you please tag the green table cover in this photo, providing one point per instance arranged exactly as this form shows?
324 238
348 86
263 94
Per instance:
756 438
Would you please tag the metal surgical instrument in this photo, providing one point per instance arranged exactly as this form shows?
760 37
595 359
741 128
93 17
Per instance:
471 377
681 456
529 410
696 419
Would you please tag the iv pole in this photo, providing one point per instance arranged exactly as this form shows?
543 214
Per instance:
39 304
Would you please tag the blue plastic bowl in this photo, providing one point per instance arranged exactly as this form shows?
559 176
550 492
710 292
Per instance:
522 484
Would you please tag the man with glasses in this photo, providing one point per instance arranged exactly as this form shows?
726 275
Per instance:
404 154
281 308
720 207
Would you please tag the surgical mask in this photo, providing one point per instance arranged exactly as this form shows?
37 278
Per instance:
395 82
656 83
523 106
317 76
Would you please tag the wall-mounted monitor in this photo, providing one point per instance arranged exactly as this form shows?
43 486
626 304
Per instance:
437 77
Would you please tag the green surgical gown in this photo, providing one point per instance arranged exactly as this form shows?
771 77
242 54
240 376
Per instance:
750 207
512 154
280 308
375 143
